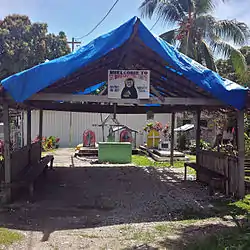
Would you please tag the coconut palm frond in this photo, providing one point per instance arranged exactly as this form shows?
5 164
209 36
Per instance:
148 8
207 54
205 25
221 48
181 5
239 63
169 36
206 6
168 13
203 6
232 30
228 51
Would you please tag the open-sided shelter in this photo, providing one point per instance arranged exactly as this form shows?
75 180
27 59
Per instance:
177 83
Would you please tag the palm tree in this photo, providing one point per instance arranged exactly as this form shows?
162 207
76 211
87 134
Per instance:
197 33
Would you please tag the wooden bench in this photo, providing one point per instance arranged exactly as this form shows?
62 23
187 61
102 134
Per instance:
28 176
212 175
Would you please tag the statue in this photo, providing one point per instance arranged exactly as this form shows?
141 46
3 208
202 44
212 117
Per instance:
89 138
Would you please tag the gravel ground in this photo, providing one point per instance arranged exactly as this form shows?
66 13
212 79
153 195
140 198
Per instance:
93 207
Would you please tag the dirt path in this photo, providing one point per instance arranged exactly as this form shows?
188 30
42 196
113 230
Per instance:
154 235
89 207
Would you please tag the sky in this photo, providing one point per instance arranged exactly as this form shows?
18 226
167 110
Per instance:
78 17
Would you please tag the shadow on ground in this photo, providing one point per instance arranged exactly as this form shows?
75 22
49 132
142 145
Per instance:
88 197
203 235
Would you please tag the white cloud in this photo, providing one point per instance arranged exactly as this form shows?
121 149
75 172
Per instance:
234 9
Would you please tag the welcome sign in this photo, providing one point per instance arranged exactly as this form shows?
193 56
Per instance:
128 84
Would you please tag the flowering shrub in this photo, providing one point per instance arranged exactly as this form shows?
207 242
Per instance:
48 143
158 127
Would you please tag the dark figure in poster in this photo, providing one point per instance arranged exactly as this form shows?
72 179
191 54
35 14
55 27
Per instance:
129 91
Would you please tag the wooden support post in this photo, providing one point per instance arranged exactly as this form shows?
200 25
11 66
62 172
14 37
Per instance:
29 131
40 130
40 124
103 136
241 154
135 140
22 129
115 110
70 128
7 162
198 139
172 140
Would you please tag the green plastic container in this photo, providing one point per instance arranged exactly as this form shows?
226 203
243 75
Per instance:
115 152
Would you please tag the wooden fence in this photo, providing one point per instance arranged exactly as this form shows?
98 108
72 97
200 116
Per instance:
247 172
224 164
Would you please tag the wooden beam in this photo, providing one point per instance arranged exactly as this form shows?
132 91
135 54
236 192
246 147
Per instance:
90 69
172 140
241 154
40 124
157 93
148 55
170 83
107 108
115 111
169 91
198 138
104 99
80 83
7 160
40 130
29 132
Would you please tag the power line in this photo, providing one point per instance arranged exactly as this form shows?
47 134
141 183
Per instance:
99 23
158 19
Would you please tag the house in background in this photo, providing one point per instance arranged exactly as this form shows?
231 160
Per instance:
209 128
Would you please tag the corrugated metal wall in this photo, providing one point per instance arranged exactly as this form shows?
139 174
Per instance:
58 124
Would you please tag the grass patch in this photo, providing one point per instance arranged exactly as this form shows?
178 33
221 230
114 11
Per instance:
192 158
126 228
242 204
232 239
189 222
8 237
163 228
144 161
143 236
89 236
229 207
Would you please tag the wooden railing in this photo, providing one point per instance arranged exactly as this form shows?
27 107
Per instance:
224 164
21 159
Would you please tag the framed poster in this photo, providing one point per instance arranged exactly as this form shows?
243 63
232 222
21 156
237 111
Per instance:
128 84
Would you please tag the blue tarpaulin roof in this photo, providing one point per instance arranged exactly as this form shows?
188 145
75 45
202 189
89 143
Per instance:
23 85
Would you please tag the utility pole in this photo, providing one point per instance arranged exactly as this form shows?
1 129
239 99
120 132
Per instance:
73 42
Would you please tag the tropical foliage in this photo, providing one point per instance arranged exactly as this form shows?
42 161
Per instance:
197 33
225 68
24 44
158 127
48 143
